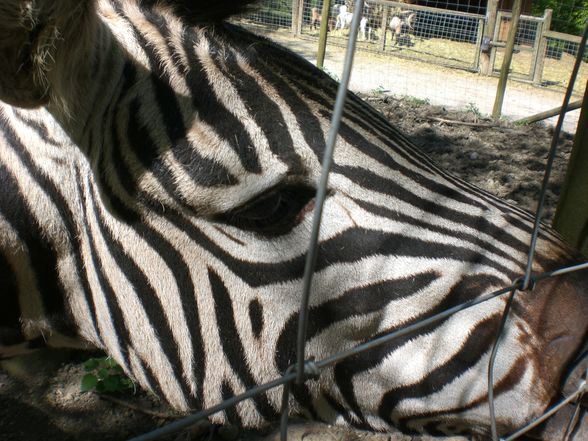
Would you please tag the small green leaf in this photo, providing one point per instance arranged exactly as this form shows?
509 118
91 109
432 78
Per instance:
100 388
103 373
89 382
91 364
112 384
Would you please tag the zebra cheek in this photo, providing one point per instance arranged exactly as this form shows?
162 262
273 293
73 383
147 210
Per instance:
556 312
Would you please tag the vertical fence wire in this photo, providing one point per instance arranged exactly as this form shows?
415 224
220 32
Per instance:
322 190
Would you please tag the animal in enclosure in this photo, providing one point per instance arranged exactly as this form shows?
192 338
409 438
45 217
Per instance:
158 168
372 15
344 18
400 24
315 18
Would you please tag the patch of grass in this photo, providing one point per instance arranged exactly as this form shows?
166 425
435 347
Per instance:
415 101
518 122
379 91
105 376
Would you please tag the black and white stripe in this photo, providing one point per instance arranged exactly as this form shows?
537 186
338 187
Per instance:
161 210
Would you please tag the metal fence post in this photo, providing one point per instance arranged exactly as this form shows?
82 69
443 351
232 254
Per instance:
542 47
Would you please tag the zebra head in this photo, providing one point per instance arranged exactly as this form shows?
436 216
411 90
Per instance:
158 171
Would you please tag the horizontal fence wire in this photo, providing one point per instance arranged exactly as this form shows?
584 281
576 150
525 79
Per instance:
307 369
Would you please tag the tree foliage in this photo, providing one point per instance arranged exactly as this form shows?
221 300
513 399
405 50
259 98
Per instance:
569 16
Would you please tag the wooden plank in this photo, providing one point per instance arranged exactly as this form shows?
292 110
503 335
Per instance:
300 17
384 27
562 36
540 58
571 217
518 47
548 113
512 33
296 18
486 57
322 46
479 38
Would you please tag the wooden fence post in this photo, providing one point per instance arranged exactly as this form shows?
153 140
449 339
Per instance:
512 33
385 15
491 11
541 48
297 16
322 46
571 217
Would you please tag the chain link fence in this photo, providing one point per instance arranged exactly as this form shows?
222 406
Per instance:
305 369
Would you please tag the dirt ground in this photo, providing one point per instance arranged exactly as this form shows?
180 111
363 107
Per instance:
41 398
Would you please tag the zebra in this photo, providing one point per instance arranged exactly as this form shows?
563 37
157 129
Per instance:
158 168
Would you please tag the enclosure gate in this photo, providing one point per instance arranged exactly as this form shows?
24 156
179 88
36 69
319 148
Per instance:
529 46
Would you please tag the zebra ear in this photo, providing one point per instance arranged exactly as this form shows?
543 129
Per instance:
19 81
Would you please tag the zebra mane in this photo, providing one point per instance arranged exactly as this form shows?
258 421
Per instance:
204 11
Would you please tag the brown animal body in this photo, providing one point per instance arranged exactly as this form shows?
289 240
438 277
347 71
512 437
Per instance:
400 24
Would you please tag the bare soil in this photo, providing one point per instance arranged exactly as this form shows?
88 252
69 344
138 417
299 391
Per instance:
505 159
40 397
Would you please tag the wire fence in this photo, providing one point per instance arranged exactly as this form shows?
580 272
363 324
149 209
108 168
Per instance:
407 31
448 52
306 369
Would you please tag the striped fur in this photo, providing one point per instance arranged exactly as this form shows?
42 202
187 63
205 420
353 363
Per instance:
159 206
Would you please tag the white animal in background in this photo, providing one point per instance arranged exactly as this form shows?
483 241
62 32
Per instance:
368 23
343 18
363 27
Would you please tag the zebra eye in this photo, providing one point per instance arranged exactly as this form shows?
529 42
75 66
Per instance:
273 213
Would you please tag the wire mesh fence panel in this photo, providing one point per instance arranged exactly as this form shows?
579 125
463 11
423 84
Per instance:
269 15
526 44
402 30
559 57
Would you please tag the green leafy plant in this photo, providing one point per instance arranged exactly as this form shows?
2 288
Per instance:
105 376
472 108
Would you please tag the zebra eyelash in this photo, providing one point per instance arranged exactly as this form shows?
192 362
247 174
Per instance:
273 213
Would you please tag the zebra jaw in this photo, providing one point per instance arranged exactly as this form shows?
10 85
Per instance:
158 174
